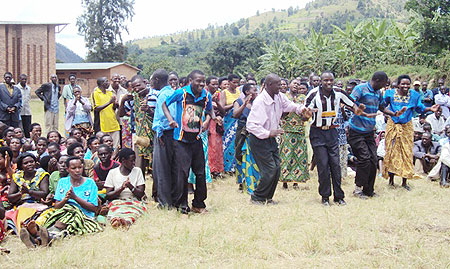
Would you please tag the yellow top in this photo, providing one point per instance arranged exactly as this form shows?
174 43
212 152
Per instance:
231 97
10 89
108 120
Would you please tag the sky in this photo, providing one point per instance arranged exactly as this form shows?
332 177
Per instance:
151 17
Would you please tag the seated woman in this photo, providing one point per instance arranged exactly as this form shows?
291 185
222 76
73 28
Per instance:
78 135
6 174
29 185
55 136
91 153
125 186
77 150
75 206
15 144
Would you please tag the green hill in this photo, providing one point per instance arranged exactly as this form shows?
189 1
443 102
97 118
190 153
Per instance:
65 55
187 50
319 14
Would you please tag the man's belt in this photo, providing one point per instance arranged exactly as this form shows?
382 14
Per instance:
325 127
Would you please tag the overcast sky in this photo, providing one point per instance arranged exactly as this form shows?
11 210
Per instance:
151 17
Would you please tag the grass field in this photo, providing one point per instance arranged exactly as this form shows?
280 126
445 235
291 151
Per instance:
37 111
395 230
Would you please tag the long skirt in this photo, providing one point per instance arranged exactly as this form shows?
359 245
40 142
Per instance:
230 125
399 150
343 159
77 222
129 210
126 133
204 137
215 149
248 172
294 157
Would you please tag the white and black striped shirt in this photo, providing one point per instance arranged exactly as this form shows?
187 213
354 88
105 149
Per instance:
327 107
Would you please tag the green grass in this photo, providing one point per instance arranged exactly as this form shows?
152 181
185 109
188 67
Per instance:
37 111
398 229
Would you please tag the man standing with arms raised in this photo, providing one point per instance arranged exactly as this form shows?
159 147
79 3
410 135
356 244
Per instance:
263 126
361 132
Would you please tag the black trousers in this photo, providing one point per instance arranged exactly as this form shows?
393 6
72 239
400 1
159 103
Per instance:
163 173
326 155
26 125
365 150
11 123
265 152
189 155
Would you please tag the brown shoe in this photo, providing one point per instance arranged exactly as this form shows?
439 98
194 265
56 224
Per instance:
199 210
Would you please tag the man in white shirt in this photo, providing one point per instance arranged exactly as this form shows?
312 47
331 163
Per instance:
25 111
443 99
437 122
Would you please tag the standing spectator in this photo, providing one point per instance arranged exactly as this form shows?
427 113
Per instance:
105 103
426 94
78 112
441 84
10 102
50 94
67 92
25 112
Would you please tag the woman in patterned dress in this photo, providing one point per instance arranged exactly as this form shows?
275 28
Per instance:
227 98
399 139
293 149
247 170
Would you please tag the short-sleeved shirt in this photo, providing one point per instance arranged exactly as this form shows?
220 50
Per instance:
86 191
373 100
67 92
327 107
396 102
53 181
115 179
190 111
108 119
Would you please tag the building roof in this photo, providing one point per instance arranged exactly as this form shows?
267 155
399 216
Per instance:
90 66
27 22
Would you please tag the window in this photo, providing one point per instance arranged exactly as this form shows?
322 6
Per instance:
62 81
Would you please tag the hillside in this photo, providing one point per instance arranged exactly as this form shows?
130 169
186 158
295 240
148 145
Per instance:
65 55
319 14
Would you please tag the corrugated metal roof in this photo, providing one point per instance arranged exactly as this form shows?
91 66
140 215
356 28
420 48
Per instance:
89 66
28 22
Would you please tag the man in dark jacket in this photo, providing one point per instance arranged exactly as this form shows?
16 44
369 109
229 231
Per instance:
50 94
10 102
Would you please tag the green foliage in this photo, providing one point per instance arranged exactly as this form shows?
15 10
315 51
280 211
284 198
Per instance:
101 24
235 55
434 27
345 51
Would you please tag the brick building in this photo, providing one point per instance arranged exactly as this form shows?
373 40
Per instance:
88 73
29 48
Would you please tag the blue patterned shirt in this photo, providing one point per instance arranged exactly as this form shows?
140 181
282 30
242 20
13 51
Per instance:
373 100
396 102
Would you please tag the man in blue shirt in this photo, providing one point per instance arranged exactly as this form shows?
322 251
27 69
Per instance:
192 101
427 95
361 133
163 154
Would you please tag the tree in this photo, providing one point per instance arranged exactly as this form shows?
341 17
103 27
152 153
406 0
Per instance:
290 11
102 23
235 55
434 27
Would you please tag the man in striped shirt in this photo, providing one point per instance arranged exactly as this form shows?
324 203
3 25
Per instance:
325 102
361 132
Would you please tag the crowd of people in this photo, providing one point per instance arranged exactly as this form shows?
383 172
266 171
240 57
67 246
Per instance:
187 132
